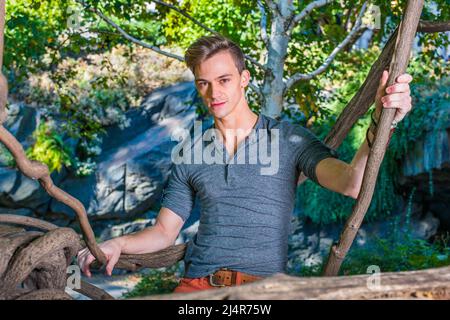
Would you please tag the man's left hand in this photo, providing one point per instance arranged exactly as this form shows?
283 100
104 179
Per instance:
396 96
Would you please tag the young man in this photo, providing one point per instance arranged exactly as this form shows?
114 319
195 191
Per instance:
245 214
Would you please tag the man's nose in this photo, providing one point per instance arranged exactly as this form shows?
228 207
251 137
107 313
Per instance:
214 91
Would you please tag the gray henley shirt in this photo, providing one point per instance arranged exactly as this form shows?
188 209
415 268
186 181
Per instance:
245 215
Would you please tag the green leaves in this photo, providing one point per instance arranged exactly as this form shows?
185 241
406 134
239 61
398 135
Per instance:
49 148
394 253
155 282
31 27
39 37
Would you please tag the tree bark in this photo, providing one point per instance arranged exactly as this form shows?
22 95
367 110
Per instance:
433 26
273 87
3 83
407 31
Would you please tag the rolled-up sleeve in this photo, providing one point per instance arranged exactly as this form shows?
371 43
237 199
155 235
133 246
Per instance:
308 150
178 194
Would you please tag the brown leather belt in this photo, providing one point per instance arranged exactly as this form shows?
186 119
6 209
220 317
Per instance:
225 277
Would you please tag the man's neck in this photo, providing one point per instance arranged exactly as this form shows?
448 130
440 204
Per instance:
243 120
235 127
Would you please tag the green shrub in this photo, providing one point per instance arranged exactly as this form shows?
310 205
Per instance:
157 281
6 158
398 252
49 148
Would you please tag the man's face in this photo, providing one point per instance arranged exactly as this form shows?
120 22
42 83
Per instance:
219 83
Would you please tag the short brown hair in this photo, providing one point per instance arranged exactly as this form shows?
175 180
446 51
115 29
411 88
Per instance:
207 46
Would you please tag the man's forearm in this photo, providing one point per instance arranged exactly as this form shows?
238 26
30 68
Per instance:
359 164
349 179
148 240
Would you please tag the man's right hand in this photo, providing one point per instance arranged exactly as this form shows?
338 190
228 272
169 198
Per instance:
112 250
157 237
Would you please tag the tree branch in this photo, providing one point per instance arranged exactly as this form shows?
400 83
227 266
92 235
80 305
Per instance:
272 6
2 28
351 37
154 48
3 82
255 62
433 26
128 36
365 96
184 13
256 89
310 7
263 23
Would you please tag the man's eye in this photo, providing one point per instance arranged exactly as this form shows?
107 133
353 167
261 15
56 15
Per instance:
224 80
201 84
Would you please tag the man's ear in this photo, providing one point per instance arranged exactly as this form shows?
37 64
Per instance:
245 78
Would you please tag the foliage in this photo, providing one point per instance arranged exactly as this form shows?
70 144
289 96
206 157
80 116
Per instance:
156 281
391 255
312 40
6 158
32 28
399 251
430 92
315 38
87 94
85 90
235 19
49 148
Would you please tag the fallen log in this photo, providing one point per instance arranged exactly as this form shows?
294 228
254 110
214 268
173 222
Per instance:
423 284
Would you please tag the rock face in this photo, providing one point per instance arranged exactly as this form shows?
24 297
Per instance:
22 120
135 161
310 243
425 180
132 169
16 190
426 170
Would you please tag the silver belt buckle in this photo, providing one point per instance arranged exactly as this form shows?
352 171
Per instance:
211 281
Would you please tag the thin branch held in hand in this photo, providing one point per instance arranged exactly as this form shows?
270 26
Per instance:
351 37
